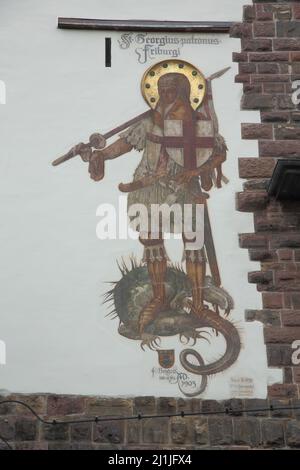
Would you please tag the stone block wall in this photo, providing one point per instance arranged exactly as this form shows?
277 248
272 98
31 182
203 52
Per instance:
215 425
269 63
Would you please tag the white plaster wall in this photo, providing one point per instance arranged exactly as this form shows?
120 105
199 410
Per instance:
53 267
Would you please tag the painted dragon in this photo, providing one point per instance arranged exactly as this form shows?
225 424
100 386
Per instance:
129 295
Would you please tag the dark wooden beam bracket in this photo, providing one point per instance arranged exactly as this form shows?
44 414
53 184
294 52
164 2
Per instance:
146 25
285 181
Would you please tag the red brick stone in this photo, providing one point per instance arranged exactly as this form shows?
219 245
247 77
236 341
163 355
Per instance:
279 355
264 12
256 184
295 56
267 316
111 432
286 44
272 221
250 89
295 116
34 445
273 433
242 78
287 301
109 406
268 56
275 116
264 29
282 391
276 221
284 335
253 240
296 68
153 433
267 67
257 101
284 67
287 131
285 102
256 167
144 405
285 254
279 148
250 201
296 374
288 88
81 431
296 11
290 29
65 405
273 88
247 68
295 76
239 57
291 318
35 401
282 12
287 375
257 131
269 77
272 300
295 300
285 240
247 432
248 13
241 30
262 255
256 45
260 277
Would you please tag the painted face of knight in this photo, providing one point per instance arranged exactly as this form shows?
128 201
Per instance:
167 93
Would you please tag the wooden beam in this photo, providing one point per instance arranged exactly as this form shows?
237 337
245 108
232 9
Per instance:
146 25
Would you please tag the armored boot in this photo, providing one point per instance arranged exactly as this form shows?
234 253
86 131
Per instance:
155 258
195 269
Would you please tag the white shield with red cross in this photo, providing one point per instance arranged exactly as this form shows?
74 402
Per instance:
189 143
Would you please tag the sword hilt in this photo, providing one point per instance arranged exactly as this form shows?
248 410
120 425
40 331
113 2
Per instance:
96 141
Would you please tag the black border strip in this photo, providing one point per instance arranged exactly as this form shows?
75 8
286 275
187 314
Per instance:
145 25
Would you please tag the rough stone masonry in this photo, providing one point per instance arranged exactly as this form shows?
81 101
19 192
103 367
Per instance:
269 63
214 429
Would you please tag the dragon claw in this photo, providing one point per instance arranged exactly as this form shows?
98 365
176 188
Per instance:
151 341
227 312
192 335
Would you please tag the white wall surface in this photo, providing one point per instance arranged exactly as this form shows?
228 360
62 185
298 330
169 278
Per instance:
53 267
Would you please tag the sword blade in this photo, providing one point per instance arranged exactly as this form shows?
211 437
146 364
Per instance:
210 248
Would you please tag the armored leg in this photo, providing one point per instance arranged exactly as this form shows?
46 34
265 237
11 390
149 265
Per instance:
195 269
155 258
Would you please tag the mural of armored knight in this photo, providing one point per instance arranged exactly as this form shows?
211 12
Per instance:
182 155
176 141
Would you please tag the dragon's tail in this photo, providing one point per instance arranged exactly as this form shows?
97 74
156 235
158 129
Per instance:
233 347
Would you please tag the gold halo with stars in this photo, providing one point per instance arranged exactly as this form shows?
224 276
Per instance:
149 83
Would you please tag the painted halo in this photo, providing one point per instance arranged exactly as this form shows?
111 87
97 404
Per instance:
150 79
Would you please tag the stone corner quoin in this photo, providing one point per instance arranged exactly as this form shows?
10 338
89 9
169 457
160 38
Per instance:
268 66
